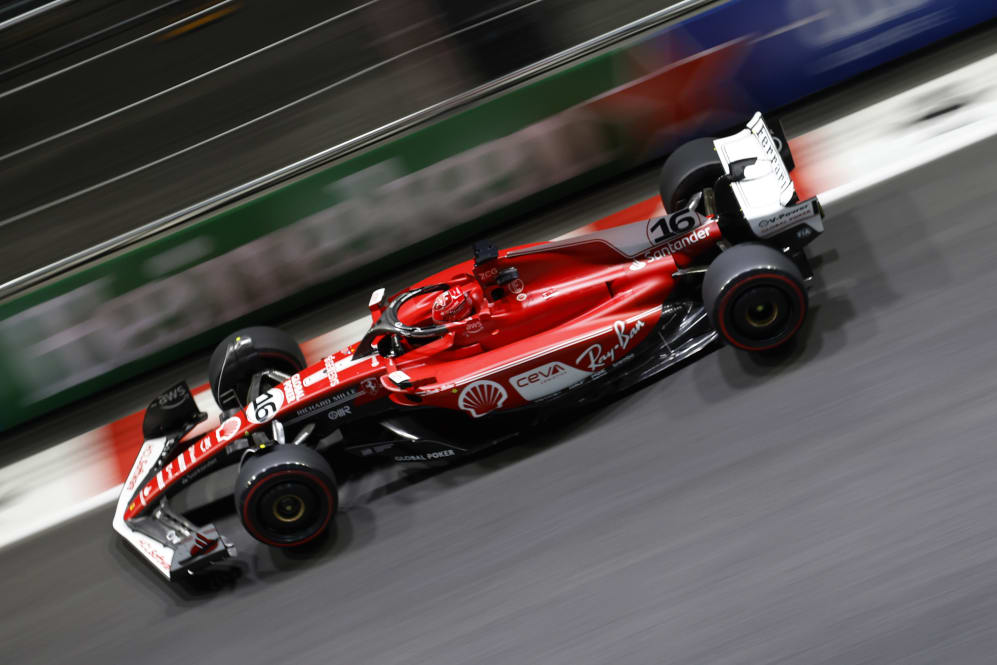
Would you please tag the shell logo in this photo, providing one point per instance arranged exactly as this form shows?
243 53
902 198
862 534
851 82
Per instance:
481 398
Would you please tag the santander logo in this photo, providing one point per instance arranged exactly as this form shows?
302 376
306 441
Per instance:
688 240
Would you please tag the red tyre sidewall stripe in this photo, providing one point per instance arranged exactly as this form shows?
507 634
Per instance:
768 275
289 472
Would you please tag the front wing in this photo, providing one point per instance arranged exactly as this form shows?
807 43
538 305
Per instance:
171 544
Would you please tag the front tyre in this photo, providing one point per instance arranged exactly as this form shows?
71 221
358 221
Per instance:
286 497
755 297
231 375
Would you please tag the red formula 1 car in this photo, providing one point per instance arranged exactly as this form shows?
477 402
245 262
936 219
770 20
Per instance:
478 351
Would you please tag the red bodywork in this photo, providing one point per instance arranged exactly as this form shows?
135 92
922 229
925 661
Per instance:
578 306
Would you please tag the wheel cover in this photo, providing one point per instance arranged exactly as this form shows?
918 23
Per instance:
762 311
288 507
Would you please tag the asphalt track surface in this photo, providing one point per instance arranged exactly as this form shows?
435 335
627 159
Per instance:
835 504
142 122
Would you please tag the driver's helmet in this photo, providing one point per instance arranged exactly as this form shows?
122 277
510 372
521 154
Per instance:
451 305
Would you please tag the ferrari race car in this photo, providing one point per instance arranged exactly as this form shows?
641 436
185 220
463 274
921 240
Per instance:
480 351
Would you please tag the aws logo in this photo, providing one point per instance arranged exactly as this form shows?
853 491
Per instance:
173 397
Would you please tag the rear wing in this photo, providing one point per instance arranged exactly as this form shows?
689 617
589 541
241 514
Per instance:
758 165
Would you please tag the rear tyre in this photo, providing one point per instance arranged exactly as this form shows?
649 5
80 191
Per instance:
755 297
268 348
286 497
691 168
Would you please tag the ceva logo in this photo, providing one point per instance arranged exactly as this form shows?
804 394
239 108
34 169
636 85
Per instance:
539 375
546 379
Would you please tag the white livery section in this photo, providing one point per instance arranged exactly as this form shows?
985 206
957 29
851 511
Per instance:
765 190
546 380
766 186
158 554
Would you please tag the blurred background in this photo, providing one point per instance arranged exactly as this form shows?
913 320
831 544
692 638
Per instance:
172 170
96 90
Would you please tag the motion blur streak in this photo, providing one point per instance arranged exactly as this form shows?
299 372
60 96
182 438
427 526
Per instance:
174 88
199 22
31 13
102 54
227 132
